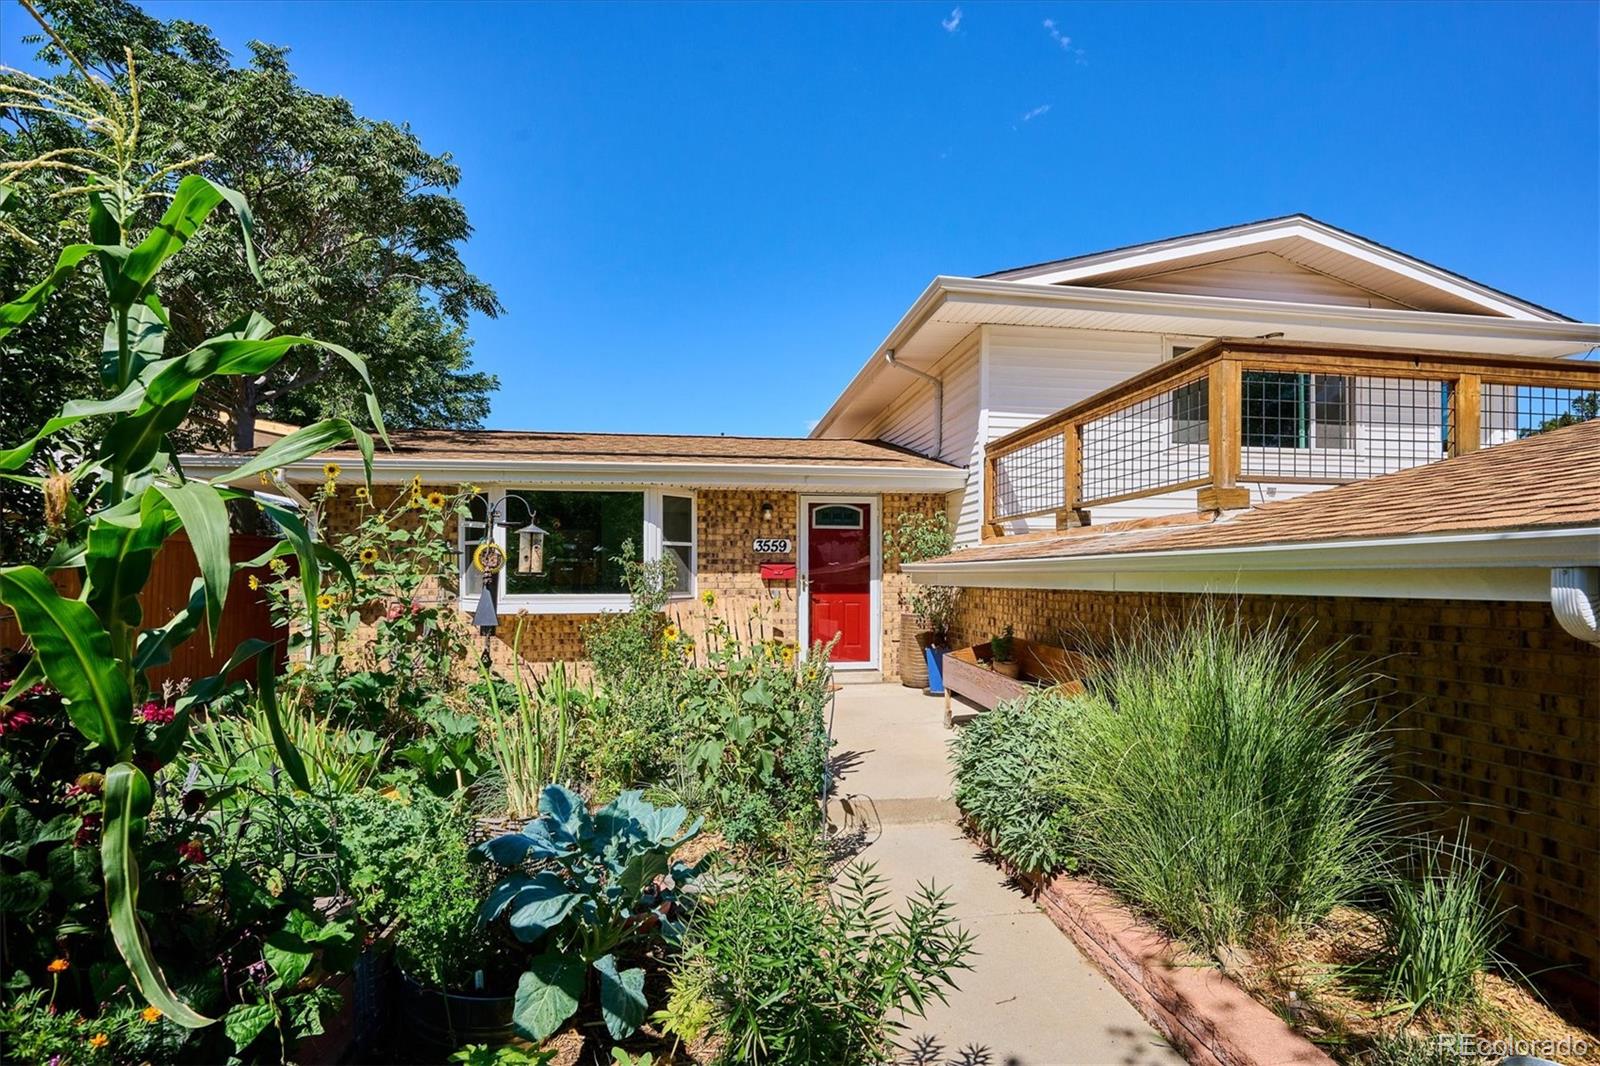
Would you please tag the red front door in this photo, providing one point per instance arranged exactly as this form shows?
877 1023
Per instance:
839 561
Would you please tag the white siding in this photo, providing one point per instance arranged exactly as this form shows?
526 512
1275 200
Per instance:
1031 373
908 422
1262 276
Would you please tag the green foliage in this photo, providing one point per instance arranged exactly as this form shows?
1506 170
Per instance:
1007 764
790 970
483 1055
1441 927
1001 646
125 496
439 940
528 729
587 887
914 538
365 228
1221 776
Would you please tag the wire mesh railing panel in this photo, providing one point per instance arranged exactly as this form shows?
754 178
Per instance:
1156 444
1029 480
1338 427
1511 412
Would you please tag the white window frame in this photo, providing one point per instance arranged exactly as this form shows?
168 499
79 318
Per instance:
659 526
575 602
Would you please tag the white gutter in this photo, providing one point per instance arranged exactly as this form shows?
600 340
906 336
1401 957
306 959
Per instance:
1513 565
1220 308
1575 599
864 478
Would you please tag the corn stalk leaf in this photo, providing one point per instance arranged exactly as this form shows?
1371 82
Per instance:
121 547
205 518
194 199
170 737
75 651
127 801
72 413
288 754
27 305
305 442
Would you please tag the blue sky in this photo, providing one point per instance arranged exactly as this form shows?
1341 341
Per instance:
703 218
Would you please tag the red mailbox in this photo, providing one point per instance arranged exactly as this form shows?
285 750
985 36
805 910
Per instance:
777 571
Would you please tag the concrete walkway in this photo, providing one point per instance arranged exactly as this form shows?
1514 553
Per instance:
1030 999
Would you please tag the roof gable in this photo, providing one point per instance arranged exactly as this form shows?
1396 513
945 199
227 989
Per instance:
1312 261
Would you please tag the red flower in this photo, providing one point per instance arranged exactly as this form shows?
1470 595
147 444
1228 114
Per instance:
393 611
13 718
192 850
156 714
86 831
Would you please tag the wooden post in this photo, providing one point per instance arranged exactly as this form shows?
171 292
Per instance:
1466 414
1071 514
1223 405
991 528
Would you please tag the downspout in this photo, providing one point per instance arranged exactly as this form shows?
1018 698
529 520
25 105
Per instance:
1575 599
938 400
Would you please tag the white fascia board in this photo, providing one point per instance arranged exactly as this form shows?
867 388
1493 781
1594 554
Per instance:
1242 237
1034 294
687 475
1123 302
1511 565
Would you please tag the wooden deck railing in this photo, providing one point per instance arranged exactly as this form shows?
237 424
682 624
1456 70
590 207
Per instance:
1235 412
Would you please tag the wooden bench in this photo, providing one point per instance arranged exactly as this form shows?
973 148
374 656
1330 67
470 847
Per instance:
967 673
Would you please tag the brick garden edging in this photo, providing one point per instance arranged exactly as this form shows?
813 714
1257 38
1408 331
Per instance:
1207 1017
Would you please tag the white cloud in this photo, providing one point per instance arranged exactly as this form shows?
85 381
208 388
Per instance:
1041 110
950 24
1057 36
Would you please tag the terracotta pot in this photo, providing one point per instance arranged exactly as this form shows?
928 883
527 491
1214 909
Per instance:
1009 669
913 666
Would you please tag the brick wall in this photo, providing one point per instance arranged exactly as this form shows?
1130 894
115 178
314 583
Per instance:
1496 712
727 521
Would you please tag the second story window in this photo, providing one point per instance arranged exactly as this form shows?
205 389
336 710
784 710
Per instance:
1297 410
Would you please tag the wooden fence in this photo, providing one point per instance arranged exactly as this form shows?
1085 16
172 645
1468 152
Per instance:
245 615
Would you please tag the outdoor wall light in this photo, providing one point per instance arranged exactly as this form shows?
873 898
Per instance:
766 510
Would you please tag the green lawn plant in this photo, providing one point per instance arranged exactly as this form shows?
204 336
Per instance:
592 890
113 511
1441 927
1224 777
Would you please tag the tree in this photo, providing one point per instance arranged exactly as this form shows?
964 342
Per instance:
357 230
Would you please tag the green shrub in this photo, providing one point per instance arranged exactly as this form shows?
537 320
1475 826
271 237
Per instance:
1222 777
1441 927
1007 765
789 972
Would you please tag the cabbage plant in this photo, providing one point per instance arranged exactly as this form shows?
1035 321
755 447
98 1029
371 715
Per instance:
586 887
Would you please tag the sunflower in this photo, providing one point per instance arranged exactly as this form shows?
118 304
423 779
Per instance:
255 582
331 471
361 492
325 602
435 500
671 634
368 555
708 598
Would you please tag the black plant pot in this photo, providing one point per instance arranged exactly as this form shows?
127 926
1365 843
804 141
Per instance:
444 1021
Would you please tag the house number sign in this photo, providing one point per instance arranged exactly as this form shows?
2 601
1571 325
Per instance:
773 545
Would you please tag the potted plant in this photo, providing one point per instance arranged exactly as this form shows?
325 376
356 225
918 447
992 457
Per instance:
1000 649
928 610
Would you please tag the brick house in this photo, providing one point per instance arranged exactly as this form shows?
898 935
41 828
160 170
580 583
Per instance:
1283 412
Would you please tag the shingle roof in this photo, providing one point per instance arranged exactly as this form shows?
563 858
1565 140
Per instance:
1551 480
525 446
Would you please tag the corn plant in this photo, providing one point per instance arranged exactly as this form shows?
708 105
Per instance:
114 511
